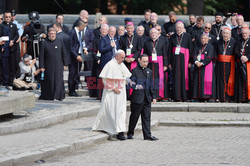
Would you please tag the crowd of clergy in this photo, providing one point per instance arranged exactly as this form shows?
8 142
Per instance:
204 61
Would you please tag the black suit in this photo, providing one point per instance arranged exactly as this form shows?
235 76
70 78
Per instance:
66 41
141 100
74 65
14 56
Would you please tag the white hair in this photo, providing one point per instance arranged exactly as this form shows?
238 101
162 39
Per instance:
104 25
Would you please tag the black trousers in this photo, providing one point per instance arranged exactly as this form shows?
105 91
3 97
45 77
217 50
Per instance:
74 78
144 110
14 60
4 65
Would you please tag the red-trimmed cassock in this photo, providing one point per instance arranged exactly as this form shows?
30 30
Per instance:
131 45
225 69
204 84
157 52
180 50
242 78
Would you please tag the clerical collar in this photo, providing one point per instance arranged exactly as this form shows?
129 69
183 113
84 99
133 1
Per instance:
147 21
226 40
180 33
59 31
155 39
218 24
142 67
130 35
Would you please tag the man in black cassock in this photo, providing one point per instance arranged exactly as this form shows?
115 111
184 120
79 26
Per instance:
155 48
217 27
203 70
146 22
140 32
192 20
130 43
53 60
96 70
242 78
180 50
237 30
225 66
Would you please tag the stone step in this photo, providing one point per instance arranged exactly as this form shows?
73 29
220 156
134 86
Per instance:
199 107
16 101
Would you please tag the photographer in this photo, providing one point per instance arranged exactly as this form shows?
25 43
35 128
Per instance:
28 73
33 34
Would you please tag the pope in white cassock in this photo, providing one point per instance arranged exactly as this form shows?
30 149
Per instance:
112 114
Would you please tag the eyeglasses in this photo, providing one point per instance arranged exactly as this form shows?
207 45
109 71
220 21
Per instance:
207 28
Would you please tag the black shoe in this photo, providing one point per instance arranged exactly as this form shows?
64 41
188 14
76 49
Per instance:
7 87
74 94
130 136
121 136
151 138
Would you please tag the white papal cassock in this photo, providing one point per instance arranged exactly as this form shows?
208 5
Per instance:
112 114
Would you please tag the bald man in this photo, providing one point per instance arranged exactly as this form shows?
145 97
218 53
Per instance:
153 22
225 67
155 48
83 14
180 51
102 20
242 80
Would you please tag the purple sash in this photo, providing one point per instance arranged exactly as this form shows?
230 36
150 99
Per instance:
161 74
185 51
208 78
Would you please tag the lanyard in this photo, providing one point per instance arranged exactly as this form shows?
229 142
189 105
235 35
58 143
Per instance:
202 50
156 42
217 33
130 42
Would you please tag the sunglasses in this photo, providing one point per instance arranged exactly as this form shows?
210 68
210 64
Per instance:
207 28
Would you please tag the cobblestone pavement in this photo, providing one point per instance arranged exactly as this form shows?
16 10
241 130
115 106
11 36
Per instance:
176 146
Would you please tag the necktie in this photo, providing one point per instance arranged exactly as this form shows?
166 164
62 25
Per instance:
80 42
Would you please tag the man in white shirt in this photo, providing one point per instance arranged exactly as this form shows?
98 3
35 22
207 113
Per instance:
28 73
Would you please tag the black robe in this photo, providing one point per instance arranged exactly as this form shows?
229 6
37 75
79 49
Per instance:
177 61
53 58
146 27
136 50
241 88
236 32
223 70
204 88
159 75
94 89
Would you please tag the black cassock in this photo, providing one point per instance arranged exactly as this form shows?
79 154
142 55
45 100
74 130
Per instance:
179 59
242 71
204 82
94 89
53 58
135 42
156 65
225 69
